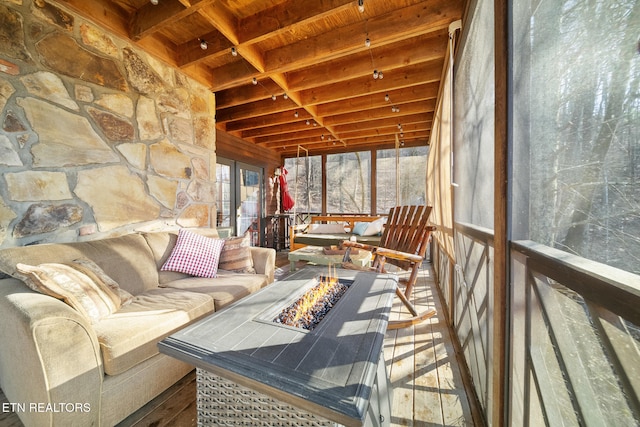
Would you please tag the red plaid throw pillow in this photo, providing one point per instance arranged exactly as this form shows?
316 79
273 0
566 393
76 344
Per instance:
195 255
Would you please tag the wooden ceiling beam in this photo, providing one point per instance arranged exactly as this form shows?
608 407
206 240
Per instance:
371 141
262 121
386 130
386 125
150 18
424 17
364 125
424 48
368 102
221 19
247 93
286 16
307 134
242 73
299 126
382 113
409 76
190 52
303 134
258 108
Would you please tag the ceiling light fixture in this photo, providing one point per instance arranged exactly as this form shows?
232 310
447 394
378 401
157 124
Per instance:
203 44
367 42
295 114
308 122
376 74
273 97
285 96
361 5
386 97
234 52
254 81
154 2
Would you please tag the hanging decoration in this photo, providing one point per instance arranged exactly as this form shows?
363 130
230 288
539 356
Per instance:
287 200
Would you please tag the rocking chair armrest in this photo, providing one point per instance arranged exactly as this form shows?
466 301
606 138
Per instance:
364 246
389 253
402 256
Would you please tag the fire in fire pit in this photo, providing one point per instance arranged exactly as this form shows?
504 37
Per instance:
307 311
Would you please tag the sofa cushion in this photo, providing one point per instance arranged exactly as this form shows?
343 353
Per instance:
80 289
130 335
236 255
126 259
226 288
195 255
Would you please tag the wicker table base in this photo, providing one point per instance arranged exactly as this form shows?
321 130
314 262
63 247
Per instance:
224 403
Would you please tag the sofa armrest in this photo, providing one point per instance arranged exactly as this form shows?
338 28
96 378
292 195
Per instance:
50 355
264 261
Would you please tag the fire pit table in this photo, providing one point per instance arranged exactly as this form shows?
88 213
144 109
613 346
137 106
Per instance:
254 370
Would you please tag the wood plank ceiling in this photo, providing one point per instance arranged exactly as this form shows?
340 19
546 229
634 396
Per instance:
289 73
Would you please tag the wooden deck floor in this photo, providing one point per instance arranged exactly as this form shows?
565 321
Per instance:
428 389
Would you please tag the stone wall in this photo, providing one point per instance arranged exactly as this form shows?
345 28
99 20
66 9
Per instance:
97 138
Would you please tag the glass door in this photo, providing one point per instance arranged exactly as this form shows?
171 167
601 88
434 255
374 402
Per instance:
249 198
239 199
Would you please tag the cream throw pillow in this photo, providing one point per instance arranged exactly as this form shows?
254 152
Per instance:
82 290
92 269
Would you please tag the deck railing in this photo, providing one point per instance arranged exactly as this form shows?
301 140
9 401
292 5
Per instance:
573 338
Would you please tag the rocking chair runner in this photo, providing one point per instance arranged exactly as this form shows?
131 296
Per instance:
403 244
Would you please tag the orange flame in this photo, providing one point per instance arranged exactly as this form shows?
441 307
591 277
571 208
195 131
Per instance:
315 294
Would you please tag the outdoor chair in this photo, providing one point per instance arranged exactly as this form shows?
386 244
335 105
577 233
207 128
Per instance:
404 244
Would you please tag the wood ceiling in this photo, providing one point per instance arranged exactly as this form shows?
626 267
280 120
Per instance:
314 51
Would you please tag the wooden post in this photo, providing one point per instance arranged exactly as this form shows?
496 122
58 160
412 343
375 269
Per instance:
498 397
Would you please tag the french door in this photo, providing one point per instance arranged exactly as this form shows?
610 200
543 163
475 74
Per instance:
239 199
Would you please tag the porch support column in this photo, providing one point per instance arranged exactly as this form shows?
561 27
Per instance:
499 398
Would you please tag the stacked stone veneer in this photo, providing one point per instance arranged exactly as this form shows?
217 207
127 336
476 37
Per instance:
97 138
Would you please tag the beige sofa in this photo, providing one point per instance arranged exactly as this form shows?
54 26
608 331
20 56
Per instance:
57 368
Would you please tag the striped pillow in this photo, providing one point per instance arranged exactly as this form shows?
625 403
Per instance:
236 255
194 254
84 292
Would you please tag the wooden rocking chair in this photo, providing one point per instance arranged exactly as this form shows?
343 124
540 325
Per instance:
404 244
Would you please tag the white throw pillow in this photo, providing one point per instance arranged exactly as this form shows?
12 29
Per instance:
326 229
375 227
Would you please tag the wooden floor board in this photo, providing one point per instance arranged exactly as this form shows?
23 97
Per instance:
421 363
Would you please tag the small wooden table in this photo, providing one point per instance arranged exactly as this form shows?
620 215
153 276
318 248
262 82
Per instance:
316 255
263 371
